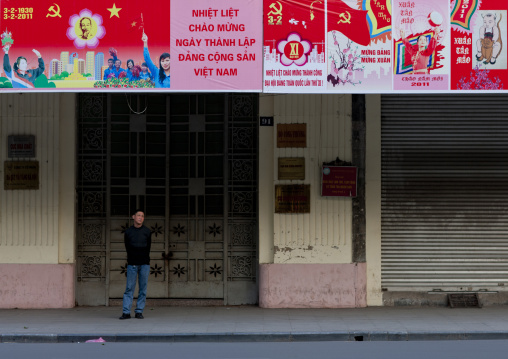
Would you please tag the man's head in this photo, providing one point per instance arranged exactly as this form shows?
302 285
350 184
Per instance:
86 26
110 63
118 63
144 67
139 217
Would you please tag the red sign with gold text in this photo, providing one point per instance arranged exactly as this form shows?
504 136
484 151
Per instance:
339 181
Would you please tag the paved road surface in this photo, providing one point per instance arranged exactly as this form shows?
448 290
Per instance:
464 349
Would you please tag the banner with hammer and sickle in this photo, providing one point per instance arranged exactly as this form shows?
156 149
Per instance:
351 22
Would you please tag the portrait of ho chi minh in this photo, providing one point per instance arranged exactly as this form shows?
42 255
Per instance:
86 26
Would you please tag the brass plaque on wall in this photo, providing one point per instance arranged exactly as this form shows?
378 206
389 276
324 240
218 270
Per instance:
291 135
292 198
291 168
21 175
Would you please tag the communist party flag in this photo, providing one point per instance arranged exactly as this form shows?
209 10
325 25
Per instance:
351 22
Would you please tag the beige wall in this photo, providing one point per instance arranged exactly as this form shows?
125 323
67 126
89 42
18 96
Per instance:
323 235
37 226
266 187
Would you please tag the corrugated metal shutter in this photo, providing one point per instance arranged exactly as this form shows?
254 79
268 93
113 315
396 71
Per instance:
444 192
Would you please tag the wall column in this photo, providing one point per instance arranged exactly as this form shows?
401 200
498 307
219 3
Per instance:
373 200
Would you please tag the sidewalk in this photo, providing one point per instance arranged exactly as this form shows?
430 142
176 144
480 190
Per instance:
250 323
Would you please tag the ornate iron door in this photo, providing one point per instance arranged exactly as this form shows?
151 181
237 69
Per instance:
190 161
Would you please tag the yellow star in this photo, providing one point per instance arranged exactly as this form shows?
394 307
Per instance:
114 11
133 24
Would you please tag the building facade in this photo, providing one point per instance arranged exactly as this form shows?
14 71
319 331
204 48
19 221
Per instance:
428 218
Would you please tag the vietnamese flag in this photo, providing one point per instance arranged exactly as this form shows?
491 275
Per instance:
351 22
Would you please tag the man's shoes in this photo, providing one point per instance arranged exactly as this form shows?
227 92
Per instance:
126 316
138 316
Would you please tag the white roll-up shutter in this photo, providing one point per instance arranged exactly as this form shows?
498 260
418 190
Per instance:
444 192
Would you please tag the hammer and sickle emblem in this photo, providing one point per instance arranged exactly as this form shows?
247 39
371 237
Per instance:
345 19
55 12
275 10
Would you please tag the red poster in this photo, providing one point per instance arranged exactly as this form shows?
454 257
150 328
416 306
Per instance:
294 45
359 56
478 44
69 43
103 45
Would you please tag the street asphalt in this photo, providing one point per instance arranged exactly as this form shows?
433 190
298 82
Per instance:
253 324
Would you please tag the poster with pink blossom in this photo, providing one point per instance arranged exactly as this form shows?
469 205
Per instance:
359 46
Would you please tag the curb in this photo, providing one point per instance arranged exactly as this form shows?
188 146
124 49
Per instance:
252 337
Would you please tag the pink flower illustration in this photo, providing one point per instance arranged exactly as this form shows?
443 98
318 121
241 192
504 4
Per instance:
294 50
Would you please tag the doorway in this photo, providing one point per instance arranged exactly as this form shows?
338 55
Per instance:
188 160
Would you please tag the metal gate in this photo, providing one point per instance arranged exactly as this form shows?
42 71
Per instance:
444 192
190 161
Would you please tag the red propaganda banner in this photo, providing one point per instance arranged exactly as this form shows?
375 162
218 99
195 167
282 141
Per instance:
271 46
107 45
358 45
294 46
478 54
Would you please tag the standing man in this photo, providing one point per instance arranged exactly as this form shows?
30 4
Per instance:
109 70
111 64
138 240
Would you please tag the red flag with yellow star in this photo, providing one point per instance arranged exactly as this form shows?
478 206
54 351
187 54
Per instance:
136 24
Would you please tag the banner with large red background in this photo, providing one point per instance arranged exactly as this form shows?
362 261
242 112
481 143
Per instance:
478 45
66 45
273 46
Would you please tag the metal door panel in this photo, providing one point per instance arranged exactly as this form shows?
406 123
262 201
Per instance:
197 290
189 161
444 192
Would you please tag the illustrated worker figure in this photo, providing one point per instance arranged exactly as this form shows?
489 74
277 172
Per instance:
138 240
